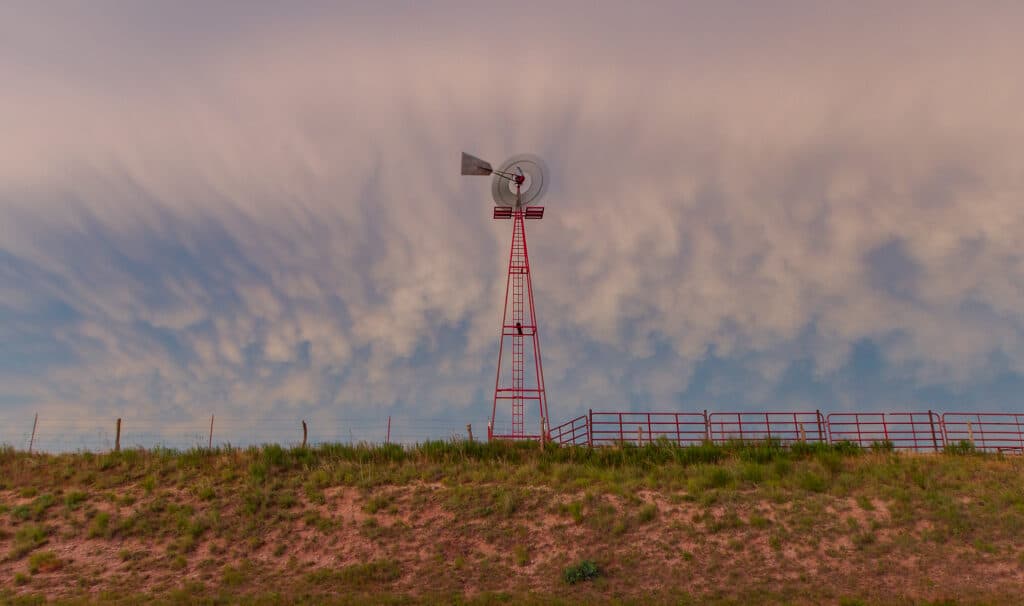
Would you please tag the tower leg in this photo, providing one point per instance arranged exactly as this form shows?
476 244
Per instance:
518 383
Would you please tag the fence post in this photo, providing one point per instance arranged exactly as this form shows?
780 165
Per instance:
117 436
32 440
387 439
821 434
209 442
305 433
590 427
469 430
803 434
707 426
931 421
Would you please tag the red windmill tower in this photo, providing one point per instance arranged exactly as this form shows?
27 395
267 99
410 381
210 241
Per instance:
519 383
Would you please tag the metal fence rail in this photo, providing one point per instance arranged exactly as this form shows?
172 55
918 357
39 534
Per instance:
786 427
680 428
920 431
986 431
574 431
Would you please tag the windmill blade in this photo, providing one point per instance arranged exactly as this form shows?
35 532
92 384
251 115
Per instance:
534 174
471 165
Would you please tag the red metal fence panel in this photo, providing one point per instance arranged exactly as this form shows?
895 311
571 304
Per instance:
786 427
575 431
680 428
925 431
987 431
861 428
920 431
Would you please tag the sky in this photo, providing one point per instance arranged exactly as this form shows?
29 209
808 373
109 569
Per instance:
254 209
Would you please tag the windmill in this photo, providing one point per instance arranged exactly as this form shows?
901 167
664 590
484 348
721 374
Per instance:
516 187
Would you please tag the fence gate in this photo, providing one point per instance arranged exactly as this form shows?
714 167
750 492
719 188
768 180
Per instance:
987 431
785 427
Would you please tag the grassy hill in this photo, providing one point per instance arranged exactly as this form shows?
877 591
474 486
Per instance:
512 523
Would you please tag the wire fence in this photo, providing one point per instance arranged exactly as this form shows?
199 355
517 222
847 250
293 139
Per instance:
920 431
55 433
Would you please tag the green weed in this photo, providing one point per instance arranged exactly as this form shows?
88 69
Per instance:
584 571
44 561
28 538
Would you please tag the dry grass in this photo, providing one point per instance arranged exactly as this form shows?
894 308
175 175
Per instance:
479 523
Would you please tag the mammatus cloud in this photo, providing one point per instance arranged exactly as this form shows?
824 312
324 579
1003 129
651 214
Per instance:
790 212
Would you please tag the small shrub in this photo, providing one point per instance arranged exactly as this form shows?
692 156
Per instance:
782 467
832 462
584 571
100 527
359 575
44 561
863 539
41 504
717 477
28 538
73 499
377 503
574 510
883 446
148 484
20 578
232 577
620 526
647 513
752 473
507 502
21 513
521 555
812 482
759 521
963 447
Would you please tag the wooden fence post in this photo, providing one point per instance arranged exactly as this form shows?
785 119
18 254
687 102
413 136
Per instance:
209 443
32 440
469 430
117 436
387 438
304 433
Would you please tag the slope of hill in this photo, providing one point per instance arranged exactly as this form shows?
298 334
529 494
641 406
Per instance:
502 523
